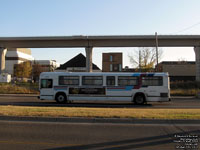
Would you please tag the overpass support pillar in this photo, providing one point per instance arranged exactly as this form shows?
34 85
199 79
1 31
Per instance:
88 51
2 59
197 59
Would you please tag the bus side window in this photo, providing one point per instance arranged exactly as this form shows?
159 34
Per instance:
127 80
46 83
92 80
152 81
110 80
68 80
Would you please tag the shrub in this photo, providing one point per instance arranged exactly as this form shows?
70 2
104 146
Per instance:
185 85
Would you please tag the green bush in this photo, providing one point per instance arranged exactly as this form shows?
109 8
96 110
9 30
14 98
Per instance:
185 85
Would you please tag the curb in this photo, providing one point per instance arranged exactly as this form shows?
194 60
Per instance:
19 95
99 120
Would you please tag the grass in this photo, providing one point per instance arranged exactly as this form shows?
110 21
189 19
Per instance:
100 112
6 88
184 92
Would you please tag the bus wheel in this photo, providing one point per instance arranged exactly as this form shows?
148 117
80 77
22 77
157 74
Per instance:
139 99
61 98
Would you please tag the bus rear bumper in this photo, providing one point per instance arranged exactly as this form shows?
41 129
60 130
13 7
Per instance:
158 99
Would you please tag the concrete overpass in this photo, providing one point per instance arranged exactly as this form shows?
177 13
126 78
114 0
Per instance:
88 42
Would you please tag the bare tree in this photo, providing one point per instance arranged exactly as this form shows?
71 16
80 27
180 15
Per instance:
144 58
37 69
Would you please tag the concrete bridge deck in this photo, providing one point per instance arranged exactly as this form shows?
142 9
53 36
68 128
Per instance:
88 42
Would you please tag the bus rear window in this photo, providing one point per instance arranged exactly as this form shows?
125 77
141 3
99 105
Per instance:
68 80
152 81
46 83
127 80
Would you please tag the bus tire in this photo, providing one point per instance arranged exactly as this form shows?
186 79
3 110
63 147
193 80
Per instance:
139 99
61 98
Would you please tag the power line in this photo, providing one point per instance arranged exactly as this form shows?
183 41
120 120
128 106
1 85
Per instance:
187 28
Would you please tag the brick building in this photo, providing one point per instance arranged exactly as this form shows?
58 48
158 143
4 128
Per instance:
112 62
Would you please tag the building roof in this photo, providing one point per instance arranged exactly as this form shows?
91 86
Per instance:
176 62
113 53
77 61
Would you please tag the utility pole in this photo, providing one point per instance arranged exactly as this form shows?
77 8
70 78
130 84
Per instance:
156 51
140 60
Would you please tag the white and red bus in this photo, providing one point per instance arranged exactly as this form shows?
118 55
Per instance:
138 88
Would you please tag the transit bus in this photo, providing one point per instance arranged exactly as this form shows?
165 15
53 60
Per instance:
138 88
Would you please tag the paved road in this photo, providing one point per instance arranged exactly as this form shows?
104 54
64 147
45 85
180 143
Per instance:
177 102
23 135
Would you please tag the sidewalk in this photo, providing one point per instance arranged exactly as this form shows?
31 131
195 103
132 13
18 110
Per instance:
99 120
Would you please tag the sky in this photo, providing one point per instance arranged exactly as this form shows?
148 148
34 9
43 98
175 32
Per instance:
100 17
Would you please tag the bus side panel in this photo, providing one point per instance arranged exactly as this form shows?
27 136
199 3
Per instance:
100 98
60 89
48 97
124 91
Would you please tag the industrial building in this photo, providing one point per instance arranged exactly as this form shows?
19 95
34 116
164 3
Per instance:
46 65
16 56
179 70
